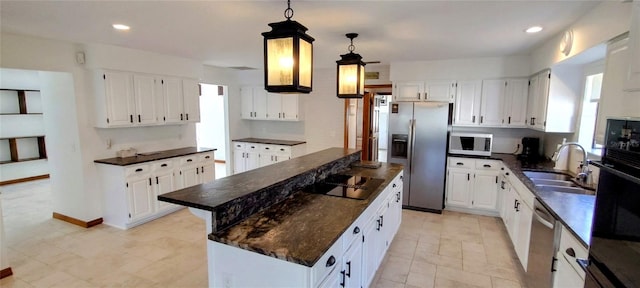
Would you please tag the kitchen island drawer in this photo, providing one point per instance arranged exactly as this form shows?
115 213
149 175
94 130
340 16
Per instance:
206 157
571 249
331 260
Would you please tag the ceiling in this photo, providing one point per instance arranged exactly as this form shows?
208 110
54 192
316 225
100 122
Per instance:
227 33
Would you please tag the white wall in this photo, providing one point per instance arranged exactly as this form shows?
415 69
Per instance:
84 144
604 22
461 69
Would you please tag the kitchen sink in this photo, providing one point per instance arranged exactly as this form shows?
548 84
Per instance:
553 182
565 189
547 175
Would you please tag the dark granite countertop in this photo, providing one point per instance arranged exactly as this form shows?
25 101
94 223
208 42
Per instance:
153 156
271 141
574 211
304 226
238 196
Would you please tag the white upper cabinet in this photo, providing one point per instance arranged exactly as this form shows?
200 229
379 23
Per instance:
173 103
145 98
467 104
125 99
515 103
632 82
115 104
552 104
257 104
408 91
492 102
191 100
441 91
254 103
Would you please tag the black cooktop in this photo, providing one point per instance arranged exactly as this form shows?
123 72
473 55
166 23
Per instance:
346 186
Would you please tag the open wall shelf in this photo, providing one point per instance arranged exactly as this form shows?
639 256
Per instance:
22 133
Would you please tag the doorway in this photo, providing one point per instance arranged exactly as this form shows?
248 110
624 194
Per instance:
211 131
362 126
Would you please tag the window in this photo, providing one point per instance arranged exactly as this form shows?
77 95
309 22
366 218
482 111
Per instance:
586 132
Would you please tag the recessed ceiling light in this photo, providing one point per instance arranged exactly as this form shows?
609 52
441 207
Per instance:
121 27
533 29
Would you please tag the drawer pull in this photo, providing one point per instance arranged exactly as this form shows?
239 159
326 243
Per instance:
282 149
356 230
394 185
459 163
163 165
139 170
266 148
486 166
189 160
331 261
207 157
506 173
571 252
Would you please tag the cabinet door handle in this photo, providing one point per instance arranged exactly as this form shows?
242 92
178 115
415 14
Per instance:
349 269
181 119
509 120
473 119
481 119
343 278
570 252
518 206
486 166
139 120
381 220
331 261
515 204
157 182
149 181
202 169
496 179
187 116
131 118
468 177
418 95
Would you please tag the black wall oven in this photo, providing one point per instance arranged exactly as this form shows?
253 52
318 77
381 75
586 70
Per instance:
614 252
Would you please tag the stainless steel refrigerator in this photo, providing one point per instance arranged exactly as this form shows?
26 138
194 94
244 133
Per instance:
418 138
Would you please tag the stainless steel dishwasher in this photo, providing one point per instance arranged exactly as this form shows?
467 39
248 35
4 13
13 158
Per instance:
542 248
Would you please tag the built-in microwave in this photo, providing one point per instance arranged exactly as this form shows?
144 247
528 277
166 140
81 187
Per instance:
470 143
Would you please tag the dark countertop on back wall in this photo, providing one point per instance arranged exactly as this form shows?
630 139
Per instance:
153 156
270 141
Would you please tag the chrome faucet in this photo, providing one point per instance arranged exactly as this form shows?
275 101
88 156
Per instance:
585 173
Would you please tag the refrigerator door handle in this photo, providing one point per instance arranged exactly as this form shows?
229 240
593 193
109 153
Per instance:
412 139
410 144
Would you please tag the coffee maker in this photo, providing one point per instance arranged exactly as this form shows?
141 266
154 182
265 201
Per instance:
530 150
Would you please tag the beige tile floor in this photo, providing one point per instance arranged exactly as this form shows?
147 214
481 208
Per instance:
430 250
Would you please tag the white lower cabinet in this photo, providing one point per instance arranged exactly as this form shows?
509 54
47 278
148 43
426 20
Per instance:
472 184
131 192
568 273
352 261
248 155
516 214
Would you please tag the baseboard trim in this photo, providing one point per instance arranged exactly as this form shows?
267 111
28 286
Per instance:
27 179
6 272
78 222
220 161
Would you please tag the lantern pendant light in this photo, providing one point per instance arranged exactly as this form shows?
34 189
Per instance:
350 73
288 56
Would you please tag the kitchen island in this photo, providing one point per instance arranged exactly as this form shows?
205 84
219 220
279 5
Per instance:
288 237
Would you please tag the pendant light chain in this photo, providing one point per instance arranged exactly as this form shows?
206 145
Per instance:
288 13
